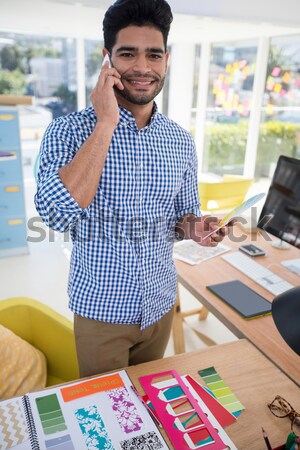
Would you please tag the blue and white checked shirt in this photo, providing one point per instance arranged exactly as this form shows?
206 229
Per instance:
121 270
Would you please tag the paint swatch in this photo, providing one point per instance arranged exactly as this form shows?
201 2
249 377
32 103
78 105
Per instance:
220 389
60 443
93 429
50 413
236 212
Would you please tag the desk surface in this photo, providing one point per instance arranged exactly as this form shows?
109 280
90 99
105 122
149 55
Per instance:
252 378
261 331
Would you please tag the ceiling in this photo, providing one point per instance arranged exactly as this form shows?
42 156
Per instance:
271 11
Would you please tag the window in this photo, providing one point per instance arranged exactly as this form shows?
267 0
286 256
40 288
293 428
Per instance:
44 67
93 62
232 68
195 88
41 66
280 124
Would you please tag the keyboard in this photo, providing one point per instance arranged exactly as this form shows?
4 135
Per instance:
293 265
258 273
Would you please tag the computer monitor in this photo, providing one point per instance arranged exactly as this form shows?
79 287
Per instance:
280 215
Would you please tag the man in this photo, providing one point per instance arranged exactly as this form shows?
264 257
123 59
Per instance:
122 177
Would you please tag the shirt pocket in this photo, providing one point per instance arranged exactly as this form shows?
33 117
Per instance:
165 175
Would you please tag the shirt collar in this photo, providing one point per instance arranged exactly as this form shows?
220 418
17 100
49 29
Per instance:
126 117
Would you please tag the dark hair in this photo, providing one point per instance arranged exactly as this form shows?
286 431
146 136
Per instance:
123 13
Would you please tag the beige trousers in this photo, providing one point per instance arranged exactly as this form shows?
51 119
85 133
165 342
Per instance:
103 346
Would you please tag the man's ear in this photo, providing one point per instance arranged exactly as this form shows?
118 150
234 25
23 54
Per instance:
105 52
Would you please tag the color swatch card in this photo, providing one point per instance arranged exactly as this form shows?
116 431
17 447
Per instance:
219 388
99 413
187 419
238 210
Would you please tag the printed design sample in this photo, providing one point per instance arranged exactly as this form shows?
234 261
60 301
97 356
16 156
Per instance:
51 415
220 390
147 441
125 410
12 425
60 443
93 429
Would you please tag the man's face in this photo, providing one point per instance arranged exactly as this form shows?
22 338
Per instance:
140 58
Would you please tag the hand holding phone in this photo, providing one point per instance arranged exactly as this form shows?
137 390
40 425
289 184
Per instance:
103 96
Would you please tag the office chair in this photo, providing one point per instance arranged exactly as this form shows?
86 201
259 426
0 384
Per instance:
286 315
47 331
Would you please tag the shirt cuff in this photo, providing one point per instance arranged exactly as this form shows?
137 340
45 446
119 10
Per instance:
183 212
60 199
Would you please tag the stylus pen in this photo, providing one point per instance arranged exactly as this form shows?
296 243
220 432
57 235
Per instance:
147 407
266 439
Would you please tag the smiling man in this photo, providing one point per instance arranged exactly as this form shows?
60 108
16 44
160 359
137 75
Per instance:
122 178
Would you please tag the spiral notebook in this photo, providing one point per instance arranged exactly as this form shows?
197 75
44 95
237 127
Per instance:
101 412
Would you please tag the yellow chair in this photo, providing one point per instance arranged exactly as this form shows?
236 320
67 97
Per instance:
46 330
225 194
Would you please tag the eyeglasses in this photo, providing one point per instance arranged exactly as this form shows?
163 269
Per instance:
282 408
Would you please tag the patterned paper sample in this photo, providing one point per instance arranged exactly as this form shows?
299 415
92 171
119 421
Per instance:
60 443
147 441
93 429
13 430
125 410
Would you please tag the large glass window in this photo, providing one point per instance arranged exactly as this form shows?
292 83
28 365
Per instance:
93 62
280 124
195 88
44 67
166 88
232 68
41 66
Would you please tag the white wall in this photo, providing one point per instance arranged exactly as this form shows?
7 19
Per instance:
45 18
274 11
51 18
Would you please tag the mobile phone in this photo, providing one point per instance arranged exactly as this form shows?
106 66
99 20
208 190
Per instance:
252 250
105 59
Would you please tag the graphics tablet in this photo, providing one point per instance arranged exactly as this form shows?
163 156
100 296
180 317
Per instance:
242 299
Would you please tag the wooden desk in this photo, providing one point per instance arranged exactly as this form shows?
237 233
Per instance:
262 331
252 378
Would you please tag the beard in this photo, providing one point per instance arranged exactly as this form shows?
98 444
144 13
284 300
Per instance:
141 98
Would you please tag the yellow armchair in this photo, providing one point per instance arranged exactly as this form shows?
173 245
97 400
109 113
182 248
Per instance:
225 194
46 330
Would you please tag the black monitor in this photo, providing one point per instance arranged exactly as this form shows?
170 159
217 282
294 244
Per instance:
280 215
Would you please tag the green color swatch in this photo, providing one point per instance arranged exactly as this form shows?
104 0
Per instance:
220 390
51 415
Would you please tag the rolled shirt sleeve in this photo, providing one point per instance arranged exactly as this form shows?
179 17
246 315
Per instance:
58 209
187 199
